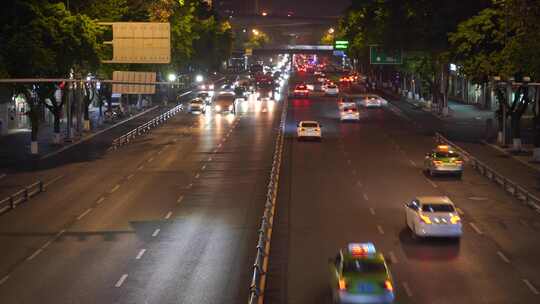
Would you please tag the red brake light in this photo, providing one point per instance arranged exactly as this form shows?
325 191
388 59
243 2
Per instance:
388 285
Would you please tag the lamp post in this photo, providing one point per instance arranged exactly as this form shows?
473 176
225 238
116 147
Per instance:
172 78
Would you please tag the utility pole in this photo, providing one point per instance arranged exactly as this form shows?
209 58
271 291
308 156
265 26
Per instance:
256 7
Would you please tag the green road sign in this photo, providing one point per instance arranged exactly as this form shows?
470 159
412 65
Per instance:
378 55
341 45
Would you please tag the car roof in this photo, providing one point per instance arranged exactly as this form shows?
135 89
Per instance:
434 200
308 121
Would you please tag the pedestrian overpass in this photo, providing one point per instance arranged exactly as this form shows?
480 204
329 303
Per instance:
296 49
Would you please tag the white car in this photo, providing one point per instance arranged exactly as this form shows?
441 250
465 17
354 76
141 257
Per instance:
349 113
197 105
331 89
373 101
309 130
433 216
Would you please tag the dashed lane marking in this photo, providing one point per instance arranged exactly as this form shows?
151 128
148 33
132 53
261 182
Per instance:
53 181
180 198
210 159
407 289
203 167
412 163
3 175
46 245
393 257
359 183
83 214
349 161
380 229
197 175
35 254
477 198
431 183
531 286
151 159
372 211
59 234
365 197
156 232
140 254
121 281
100 200
140 167
115 188
475 228
168 215
4 279
503 257
130 176
189 186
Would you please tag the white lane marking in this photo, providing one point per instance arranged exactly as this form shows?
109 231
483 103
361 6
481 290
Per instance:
100 200
35 254
372 211
407 289
46 245
4 279
210 158
140 167
531 286
130 176
83 214
393 257
203 167
475 228
365 197
52 181
197 175
359 183
349 161
180 198
140 254
412 163
503 257
121 281
156 232
460 212
3 175
380 229
115 188
168 216
159 152
189 186
59 234
431 183
151 159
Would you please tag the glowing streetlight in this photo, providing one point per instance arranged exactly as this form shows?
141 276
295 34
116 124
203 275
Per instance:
171 77
264 13
255 32
331 30
199 78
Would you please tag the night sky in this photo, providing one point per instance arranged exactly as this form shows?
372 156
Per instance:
299 7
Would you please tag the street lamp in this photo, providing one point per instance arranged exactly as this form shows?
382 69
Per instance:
255 32
331 30
264 13
171 77
199 78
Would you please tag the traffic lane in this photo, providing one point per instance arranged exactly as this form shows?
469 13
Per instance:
504 221
103 234
203 256
313 244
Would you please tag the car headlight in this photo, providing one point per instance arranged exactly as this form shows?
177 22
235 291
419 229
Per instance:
211 87
230 107
218 108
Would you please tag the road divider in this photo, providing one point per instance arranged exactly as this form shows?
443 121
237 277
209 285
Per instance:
260 266
21 196
508 185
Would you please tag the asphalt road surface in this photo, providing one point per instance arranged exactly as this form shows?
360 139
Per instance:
171 218
352 186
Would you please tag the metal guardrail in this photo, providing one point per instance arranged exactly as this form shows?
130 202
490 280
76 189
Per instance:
21 196
260 267
507 184
144 128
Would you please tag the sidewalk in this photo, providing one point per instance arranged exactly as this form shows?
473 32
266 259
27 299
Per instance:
15 146
466 127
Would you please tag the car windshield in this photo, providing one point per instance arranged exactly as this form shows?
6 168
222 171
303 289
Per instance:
309 125
331 86
363 266
300 87
442 154
196 101
202 95
437 208
349 110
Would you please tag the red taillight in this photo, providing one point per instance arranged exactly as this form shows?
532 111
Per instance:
458 162
437 162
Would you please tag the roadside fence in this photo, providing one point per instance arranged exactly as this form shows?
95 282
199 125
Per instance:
21 196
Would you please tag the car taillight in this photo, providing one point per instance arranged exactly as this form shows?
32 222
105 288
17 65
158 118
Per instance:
437 162
455 219
388 285
342 284
458 162
425 219
302 129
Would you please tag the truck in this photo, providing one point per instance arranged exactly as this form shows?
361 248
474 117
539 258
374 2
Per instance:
264 85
